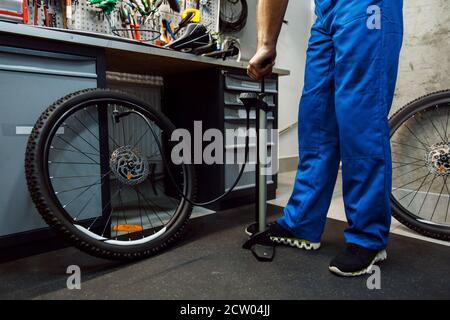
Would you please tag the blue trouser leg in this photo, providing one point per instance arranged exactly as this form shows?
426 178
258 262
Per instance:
305 213
357 87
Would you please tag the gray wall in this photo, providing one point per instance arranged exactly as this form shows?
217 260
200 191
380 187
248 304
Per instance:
424 62
425 58
291 55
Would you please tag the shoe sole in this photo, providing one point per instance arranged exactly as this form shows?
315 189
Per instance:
250 233
381 256
297 243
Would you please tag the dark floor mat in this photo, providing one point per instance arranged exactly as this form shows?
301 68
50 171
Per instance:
210 264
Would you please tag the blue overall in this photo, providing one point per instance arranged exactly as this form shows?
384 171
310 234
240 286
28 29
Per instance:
350 76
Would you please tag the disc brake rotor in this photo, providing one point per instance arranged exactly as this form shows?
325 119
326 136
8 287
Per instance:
129 166
438 159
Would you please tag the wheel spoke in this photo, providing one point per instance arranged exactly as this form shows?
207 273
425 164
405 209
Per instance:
122 206
111 138
151 204
426 195
448 202
67 142
79 135
74 151
407 156
77 188
417 138
439 198
406 184
417 191
73 177
407 145
103 209
434 126
442 124
407 164
79 195
413 170
140 213
425 133
72 162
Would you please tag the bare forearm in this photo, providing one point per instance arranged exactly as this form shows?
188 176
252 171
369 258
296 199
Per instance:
270 14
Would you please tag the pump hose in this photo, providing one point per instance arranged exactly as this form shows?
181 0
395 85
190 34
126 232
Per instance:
171 176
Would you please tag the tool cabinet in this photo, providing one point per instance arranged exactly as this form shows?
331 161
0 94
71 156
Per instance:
30 80
212 96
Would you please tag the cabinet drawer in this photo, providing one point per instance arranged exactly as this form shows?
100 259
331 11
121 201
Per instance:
244 84
239 113
47 63
235 133
232 99
248 177
29 82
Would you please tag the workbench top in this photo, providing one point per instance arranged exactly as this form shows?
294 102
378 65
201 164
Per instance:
126 55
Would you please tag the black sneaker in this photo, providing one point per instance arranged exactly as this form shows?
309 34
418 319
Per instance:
280 235
355 260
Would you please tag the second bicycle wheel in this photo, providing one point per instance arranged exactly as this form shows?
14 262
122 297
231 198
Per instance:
420 142
95 172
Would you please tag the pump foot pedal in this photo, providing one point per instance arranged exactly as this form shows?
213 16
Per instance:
261 246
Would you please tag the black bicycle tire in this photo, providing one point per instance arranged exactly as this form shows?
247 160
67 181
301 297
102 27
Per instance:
174 5
239 24
395 121
40 191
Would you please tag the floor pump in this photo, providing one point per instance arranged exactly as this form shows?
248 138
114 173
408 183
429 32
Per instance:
259 243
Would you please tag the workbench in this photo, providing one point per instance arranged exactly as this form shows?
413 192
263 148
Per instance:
39 65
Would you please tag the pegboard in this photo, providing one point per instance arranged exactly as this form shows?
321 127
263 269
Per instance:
54 8
209 10
89 18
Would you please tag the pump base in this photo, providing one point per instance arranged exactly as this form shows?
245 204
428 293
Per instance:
261 246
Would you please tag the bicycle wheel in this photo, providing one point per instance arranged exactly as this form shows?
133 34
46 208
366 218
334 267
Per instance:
233 15
95 173
420 142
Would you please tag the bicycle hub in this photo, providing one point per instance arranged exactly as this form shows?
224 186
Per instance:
438 159
129 166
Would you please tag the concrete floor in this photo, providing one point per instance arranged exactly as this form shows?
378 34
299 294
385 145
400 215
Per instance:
337 211
208 264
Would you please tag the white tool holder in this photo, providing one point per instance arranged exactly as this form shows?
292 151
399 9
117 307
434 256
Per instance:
54 9
209 10
89 18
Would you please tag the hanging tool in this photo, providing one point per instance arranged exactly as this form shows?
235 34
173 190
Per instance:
191 11
196 35
138 7
259 243
146 5
14 10
167 32
202 5
37 10
184 21
125 18
169 27
52 18
68 14
156 3
37 5
46 19
107 6
135 28
174 5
